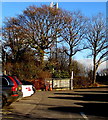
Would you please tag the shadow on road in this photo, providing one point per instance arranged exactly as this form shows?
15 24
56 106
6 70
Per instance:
86 97
95 109
92 104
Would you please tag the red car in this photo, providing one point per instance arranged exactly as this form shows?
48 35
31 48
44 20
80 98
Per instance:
11 90
40 85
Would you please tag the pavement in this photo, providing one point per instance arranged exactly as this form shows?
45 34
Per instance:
77 104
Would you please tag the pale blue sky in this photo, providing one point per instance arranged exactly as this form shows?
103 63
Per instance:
11 9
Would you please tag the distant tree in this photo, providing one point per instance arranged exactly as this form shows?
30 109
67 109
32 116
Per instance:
104 72
58 64
73 35
61 60
78 68
97 42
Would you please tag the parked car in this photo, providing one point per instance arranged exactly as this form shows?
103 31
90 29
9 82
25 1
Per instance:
27 88
19 83
17 80
41 85
11 90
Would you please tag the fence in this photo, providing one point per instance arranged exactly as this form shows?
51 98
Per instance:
58 83
76 82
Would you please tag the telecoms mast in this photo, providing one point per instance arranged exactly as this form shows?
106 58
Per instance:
54 44
52 5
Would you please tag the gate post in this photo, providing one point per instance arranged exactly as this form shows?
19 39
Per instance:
71 81
52 83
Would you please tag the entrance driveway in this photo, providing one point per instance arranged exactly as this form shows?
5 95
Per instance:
78 104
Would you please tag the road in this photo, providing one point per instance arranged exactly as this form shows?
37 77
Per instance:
78 104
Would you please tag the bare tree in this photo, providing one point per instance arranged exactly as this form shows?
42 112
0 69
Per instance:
73 35
97 42
44 25
14 39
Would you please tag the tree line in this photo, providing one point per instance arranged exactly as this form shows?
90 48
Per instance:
42 41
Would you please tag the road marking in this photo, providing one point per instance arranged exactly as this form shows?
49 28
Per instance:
84 116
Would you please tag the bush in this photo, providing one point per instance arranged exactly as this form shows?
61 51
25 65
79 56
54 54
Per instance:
60 74
44 74
81 82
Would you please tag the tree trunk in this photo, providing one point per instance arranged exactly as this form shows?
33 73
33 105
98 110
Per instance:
42 58
70 65
94 70
94 74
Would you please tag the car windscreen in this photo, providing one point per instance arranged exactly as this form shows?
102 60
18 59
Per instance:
6 81
26 82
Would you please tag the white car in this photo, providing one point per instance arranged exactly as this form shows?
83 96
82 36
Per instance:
27 89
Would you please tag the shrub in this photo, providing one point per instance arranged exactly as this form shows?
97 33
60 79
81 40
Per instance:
81 82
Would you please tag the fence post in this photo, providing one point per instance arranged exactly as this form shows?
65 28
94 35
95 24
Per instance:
71 81
52 83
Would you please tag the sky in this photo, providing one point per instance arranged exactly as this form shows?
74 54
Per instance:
89 9
11 9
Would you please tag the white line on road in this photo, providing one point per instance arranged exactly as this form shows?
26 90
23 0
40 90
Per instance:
84 116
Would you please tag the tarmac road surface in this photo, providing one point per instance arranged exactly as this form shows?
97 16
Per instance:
78 104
